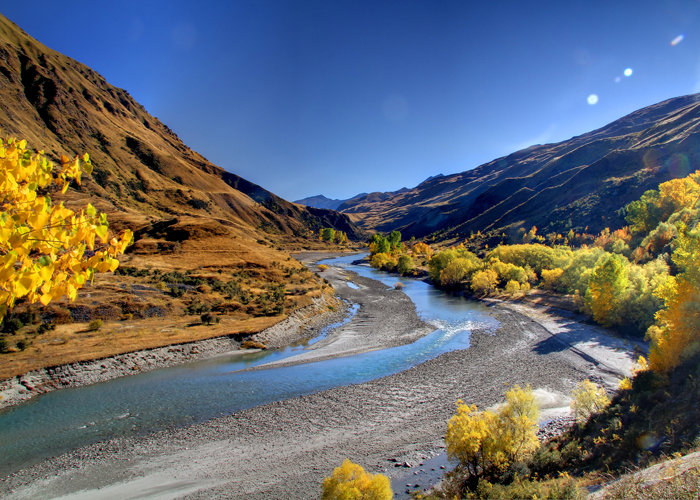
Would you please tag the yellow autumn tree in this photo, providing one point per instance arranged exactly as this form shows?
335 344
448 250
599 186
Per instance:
587 399
605 287
351 482
676 334
47 250
487 442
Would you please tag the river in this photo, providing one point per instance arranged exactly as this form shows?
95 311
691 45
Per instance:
58 421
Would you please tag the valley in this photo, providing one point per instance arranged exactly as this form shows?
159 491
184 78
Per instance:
245 346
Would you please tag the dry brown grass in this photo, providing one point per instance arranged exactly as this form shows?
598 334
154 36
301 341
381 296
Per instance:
125 302
73 343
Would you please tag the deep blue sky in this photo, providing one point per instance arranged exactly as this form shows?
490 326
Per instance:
338 97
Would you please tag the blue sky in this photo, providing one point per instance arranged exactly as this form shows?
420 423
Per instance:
337 97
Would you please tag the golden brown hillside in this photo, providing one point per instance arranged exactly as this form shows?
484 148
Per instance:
188 215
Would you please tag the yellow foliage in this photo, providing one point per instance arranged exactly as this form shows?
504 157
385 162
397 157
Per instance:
588 399
625 384
421 248
351 482
484 281
43 246
551 278
484 442
322 267
512 286
383 261
676 335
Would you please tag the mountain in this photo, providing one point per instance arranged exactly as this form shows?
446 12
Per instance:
579 183
143 173
320 201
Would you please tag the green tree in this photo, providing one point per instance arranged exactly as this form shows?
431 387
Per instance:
406 264
379 244
327 234
351 482
395 240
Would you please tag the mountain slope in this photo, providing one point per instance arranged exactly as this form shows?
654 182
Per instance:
575 184
141 166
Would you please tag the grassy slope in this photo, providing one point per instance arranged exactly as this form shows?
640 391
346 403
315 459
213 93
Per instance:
187 214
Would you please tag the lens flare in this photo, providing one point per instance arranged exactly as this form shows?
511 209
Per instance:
618 79
677 40
628 72
592 99
678 165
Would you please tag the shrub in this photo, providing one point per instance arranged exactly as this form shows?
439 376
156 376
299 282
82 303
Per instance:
11 324
95 325
250 344
3 344
209 318
484 281
551 278
406 264
322 267
350 481
22 345
588 399
486 443
512 287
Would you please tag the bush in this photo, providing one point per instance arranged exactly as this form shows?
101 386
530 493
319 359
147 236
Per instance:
22 345
406 264
588 399
484 281
209 318
11 324
351 481
95 325
322 267
3 344
512 287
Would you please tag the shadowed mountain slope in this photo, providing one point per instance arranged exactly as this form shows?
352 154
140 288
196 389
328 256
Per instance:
142 170
579 183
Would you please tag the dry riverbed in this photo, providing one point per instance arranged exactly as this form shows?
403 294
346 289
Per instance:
284 449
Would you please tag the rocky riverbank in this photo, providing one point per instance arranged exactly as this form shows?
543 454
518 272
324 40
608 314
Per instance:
284 449
303 323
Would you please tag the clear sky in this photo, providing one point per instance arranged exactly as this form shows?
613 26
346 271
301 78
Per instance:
337 97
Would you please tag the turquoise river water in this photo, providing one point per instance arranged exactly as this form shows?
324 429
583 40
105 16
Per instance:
56 422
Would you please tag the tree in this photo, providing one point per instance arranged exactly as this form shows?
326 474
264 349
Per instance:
484 281
676 335
512 287
341 237
406 264
379 244
327 234
605 286
351 482
46 250
394 240
588 399
457 270
485 443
